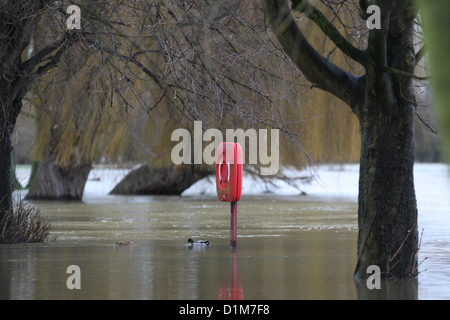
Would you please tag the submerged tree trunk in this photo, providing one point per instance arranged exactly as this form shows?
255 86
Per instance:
171 180
387 212
383 100
58 182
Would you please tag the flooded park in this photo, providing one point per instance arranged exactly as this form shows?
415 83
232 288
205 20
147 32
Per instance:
289 245
339 110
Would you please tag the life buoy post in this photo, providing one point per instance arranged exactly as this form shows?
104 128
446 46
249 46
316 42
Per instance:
229 166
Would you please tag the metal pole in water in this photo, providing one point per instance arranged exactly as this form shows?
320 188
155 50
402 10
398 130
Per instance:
233 229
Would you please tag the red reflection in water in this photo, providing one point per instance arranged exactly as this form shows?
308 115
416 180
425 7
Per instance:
234 290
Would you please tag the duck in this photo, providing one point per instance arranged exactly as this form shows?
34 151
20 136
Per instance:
125 243
197 243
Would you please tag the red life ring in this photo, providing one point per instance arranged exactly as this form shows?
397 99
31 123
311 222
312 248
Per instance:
220 172
229 176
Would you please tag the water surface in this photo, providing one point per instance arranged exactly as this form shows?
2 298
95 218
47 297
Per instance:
289 247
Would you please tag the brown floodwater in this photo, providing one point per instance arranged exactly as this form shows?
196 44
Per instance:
291 247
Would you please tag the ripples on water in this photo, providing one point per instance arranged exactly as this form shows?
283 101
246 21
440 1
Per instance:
291 247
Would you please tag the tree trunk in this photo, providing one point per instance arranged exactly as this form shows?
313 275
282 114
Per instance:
8 117
5 167
9 111
55 182
171 180
387 211
383 100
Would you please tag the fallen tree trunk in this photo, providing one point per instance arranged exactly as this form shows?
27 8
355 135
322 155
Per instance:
171 180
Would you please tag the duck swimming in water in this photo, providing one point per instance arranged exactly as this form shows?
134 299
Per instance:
126 243
197 243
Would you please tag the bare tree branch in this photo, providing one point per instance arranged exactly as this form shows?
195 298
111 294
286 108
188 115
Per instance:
21 86
405 74
378 52
330 31
420 54
319 70
28 66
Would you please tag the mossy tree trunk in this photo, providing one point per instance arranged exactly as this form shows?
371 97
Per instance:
57 182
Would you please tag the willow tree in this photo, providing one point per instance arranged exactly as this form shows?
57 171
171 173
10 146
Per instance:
99 35
382 98
88 93
220 61
73 117
19 19
216 65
